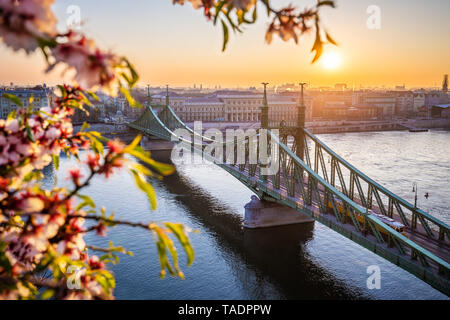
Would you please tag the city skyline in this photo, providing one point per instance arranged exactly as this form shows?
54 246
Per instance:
171 50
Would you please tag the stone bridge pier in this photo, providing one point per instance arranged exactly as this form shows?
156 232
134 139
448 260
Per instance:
263 214
161 150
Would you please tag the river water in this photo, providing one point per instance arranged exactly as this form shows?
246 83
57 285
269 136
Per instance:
289 262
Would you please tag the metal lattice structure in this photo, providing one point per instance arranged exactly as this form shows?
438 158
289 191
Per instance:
319 183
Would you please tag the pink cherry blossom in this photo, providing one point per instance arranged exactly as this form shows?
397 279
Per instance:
93 67
24 21
31 204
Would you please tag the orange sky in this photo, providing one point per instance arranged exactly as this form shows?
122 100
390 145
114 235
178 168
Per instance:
175 45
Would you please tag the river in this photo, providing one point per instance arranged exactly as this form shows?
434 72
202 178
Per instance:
289 262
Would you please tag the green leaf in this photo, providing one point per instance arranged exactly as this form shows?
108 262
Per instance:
30 104
326 3
330 39
96 145
142 169
167 243
85 99
134 75
254 15
218 9
93 95
225 35
56 161
13 98
162 168
146 187
178 230
318 45
131 101
135 141
29 133
47 294
105 279
4 260
85 126
164 262
87 201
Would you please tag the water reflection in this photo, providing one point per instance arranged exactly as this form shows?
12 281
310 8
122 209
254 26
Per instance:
49 176
256 256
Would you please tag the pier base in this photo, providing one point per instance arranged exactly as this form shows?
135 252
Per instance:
161 150
263 214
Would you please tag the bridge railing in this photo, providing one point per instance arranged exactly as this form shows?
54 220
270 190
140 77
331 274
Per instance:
386 201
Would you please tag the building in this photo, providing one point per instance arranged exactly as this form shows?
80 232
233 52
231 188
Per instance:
40 95
240 106
432 98
384 101
440 111
404 102
340 86
418 101
324 101
234 106
283 108
175 99
356 113
333 110
295 96
207 109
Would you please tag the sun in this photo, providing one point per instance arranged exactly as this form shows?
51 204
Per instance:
331 60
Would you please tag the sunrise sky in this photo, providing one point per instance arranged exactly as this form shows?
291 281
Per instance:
176 45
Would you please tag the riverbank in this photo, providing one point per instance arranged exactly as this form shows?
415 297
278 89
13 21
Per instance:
369 126
340 126
316 127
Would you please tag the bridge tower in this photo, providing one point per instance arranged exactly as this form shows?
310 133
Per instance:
167 95
265 109
300 137
149 97
445 84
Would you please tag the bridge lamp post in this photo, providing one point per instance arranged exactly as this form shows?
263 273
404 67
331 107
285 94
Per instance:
265 109
414 215
415 196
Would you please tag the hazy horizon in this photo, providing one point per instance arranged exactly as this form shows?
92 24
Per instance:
176 45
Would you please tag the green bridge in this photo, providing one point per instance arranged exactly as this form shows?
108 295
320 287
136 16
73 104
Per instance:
332 192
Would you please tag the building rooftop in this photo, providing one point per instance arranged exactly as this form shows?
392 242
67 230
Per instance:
24 91
203 100
443 105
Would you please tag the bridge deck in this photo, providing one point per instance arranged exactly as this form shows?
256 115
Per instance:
435 246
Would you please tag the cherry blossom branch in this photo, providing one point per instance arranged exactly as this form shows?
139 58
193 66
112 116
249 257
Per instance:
288 22
147 226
